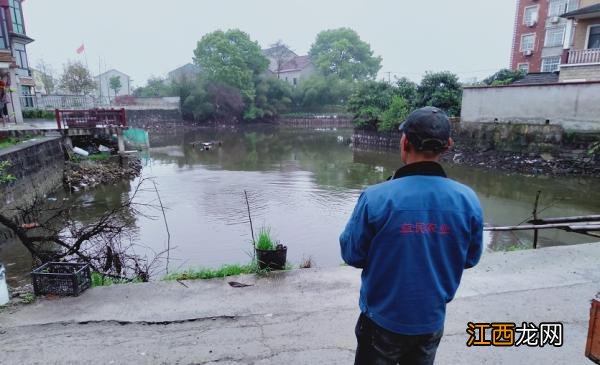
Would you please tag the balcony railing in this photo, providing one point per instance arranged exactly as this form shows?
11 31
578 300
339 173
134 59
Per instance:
584 56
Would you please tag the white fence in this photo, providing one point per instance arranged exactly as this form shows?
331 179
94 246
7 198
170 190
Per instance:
58 102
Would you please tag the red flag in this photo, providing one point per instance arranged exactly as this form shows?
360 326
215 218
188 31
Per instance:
81 49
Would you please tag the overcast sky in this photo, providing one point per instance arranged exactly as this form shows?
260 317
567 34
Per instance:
150 37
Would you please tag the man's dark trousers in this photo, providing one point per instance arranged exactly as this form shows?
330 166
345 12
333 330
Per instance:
378 346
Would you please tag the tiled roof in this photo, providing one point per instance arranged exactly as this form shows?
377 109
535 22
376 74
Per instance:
538 78
583 11
296 64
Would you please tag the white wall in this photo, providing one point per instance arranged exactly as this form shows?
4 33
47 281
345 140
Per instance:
103 85
574 106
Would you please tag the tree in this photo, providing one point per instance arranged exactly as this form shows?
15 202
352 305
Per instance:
319 92
442 90
212 101
280 53
343 53
395 114
369 102
273 96
115 84
155 87
46 76
76 79
408 90
504 77
231 58
100 242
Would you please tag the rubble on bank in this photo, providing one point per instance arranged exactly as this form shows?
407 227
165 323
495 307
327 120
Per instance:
86 174
527 164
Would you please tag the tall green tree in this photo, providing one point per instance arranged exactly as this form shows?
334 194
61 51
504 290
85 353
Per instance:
442 90
341 52
394 115
77 79
231 58
115 84
273 96
369 102
318 92
408 90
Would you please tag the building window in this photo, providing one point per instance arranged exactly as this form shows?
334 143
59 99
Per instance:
20 56
3 31
531 15
550 64
527 42
523 67
594 37
555 37
17 16
26 97
559 7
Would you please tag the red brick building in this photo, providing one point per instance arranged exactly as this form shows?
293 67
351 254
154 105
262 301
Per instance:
539 34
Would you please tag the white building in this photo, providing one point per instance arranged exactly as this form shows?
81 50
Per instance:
287 65
104 91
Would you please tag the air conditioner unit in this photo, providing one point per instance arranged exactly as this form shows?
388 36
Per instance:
554 19
527 53
531 23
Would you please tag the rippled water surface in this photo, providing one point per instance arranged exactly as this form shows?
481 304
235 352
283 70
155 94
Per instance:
303 184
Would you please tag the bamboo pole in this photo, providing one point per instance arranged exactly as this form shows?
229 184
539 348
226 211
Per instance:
574 219
592 226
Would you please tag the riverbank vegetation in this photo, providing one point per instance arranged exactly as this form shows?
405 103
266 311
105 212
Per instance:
235 83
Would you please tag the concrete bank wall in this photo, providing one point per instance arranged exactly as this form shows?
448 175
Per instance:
316 122
481 136
144 118
38 166
574 106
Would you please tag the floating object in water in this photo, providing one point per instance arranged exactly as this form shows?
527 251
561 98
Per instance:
207 146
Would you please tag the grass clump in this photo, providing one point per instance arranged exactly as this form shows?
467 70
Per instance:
103 280
265 241
99 157
27 298
206 273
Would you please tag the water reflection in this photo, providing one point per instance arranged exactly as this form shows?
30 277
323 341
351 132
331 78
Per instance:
304 184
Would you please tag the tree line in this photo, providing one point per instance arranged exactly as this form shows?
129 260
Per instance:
234 83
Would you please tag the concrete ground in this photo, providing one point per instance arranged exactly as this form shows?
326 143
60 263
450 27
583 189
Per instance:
29 124
299 317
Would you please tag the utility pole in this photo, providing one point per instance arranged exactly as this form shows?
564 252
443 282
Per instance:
389 73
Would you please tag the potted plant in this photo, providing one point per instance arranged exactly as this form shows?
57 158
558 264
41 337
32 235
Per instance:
270 254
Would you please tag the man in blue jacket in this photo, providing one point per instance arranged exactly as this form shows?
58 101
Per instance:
412 236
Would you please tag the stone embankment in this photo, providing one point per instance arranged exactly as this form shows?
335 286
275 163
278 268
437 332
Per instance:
521 148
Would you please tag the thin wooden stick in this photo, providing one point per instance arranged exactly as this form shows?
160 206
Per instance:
166 225
535 217
250 219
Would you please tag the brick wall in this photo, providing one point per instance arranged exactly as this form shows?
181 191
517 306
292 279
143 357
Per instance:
588 73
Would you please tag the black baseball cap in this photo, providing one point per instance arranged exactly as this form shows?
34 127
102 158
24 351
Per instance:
427 129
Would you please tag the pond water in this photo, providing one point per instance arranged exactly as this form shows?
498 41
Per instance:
303 184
